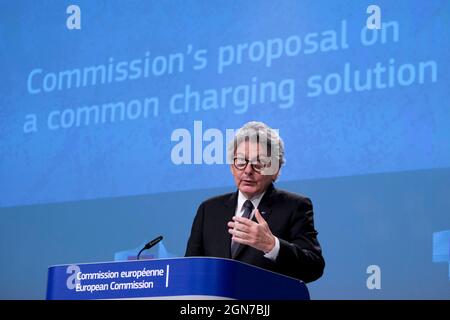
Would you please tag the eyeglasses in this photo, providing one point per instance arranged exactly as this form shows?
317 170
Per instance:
258 166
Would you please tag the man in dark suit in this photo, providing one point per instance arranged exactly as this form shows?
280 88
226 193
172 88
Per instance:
259 224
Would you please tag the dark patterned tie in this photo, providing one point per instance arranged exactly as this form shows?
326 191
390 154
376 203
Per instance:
248 208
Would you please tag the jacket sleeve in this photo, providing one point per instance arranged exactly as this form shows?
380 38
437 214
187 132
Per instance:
195 242
300 255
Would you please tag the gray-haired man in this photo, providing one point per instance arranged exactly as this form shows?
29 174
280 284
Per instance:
259 224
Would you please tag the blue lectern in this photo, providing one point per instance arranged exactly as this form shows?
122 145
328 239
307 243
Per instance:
179 278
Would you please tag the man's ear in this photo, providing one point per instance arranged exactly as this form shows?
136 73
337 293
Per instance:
275 176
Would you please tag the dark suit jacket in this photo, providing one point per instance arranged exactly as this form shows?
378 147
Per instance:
290 218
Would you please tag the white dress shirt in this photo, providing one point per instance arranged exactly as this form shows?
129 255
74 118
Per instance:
272 254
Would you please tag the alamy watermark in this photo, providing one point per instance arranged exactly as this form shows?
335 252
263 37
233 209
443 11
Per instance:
215 146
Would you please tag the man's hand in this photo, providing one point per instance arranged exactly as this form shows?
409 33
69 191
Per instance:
256 235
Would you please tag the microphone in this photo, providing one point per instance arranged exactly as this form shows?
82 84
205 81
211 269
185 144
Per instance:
149 245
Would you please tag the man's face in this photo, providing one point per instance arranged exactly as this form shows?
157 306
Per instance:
248 181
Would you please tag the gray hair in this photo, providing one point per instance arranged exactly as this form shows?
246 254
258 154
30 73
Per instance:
261 133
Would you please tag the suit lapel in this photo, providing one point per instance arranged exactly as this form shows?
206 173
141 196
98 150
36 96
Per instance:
265 204
230 209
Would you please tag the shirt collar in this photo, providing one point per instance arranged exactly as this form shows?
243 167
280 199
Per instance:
242 198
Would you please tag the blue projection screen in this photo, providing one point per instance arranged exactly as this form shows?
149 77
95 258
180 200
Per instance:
110 110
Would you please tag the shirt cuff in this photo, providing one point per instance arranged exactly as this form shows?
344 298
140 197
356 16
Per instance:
273 254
